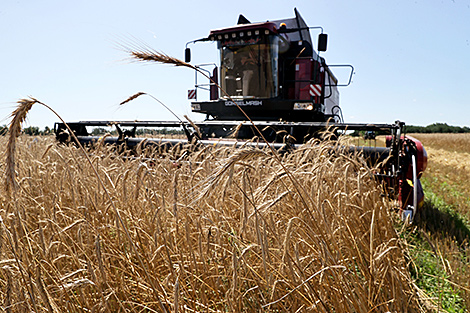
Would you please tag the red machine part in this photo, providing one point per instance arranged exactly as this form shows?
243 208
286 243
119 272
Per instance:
421 154
406 184
304 73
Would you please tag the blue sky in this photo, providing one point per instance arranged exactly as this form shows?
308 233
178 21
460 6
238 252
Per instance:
411 58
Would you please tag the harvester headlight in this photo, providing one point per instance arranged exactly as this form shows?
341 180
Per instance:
248 33
219 37
303 106
256 32
241 34
266 32
226 36
234 35
195 107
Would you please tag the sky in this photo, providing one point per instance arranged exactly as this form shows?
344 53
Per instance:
411 58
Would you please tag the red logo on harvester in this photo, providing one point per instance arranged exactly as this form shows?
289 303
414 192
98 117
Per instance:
315 90
192 94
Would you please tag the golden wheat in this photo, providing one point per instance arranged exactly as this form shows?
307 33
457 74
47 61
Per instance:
224 231
134 96
18 117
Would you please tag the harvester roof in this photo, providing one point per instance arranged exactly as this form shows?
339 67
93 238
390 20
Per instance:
295 28
242 29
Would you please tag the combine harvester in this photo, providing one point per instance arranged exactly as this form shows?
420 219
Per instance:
271 83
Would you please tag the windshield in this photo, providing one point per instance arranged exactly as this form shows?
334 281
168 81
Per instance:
249 69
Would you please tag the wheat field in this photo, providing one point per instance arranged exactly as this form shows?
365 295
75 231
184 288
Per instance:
220 230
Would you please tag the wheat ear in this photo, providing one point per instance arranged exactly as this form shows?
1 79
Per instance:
18 117
132 97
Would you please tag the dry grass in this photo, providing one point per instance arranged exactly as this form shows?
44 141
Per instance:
448 172
449 142
446 217
226 230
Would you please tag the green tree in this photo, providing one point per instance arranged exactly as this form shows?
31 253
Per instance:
3 130
31 131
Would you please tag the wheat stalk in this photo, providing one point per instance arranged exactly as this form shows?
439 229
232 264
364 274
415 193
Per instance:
9 289
196 128
18 117
42 290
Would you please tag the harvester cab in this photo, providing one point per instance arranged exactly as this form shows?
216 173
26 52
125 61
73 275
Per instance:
273 72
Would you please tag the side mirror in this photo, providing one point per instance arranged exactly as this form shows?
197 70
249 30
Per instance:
322 42
187 55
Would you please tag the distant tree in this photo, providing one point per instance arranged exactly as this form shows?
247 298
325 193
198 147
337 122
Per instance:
99 131
361 133
159 131
46 131
3 130
414 129
31 131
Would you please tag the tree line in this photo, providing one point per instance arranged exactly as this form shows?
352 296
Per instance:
36 131
142 131
31 131
437 128
433 128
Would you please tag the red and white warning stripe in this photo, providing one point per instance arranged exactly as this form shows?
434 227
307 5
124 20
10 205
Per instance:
315 90
192 94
